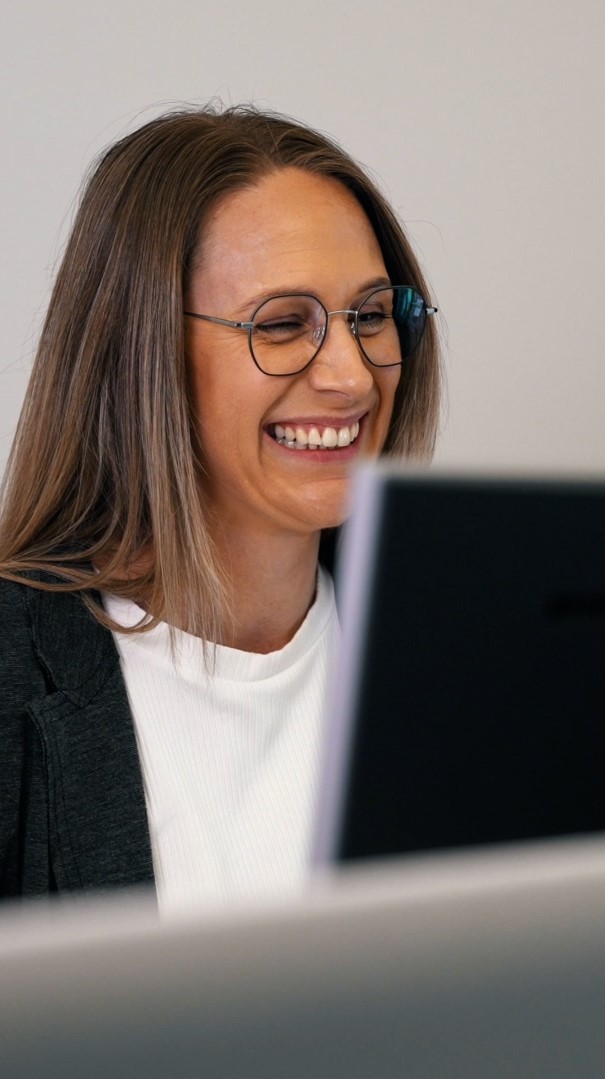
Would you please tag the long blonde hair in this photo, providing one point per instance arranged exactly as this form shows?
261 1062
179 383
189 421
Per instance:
104 465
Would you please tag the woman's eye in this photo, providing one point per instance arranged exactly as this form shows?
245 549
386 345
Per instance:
285 327
371 321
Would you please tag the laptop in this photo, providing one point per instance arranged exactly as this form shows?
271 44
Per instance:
462 966
468 701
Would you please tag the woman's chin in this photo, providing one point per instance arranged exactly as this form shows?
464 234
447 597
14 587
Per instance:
333 516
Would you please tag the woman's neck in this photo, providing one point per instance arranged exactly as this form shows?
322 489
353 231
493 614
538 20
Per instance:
272 584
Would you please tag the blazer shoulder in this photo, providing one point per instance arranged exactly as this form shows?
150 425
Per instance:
15 624
58 633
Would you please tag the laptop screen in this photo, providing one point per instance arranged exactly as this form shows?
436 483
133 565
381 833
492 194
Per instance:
468 702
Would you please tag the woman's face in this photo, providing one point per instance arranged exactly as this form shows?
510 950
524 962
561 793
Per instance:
292 232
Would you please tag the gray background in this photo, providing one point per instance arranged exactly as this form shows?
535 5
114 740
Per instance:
483 121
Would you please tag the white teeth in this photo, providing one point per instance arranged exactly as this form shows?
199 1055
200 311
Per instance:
300 439
329 438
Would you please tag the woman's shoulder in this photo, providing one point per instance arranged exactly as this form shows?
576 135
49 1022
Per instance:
18 594
22 675
54 628
13 608
20 601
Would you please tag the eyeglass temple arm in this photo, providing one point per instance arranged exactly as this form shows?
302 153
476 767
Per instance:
221 321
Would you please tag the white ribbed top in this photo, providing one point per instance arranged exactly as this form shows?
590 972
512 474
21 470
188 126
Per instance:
229 758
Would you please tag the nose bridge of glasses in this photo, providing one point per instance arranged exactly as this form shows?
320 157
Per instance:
319 332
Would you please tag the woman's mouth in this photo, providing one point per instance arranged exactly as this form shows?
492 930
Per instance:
314 437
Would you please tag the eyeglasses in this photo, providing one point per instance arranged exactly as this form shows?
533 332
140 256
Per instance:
286 333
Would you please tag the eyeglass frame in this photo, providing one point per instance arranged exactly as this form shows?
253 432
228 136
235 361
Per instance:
249 326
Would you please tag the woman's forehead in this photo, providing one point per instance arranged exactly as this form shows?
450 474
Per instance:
287 229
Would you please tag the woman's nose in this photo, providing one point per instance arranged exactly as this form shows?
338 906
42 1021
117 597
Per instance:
340 365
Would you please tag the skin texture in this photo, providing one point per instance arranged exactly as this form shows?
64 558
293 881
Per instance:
293 231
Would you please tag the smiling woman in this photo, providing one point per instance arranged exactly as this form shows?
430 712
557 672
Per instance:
238 318
315 239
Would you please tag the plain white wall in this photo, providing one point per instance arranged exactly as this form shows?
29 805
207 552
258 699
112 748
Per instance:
483 120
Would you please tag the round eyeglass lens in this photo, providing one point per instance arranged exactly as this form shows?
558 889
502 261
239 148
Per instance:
390 324
287 333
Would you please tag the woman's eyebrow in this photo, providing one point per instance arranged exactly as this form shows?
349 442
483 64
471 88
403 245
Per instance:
304 290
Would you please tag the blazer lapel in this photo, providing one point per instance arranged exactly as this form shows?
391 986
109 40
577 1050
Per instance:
98 822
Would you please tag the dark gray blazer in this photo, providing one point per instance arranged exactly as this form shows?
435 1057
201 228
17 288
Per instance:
72 806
